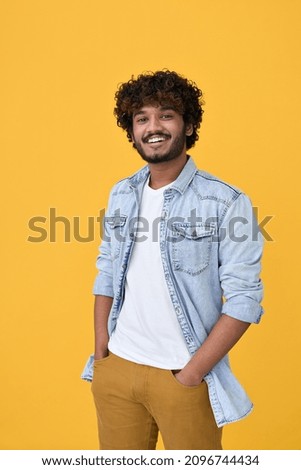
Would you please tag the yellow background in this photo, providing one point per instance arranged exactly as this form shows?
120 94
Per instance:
61 62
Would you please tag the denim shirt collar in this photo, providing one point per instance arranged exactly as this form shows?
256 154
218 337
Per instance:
180 184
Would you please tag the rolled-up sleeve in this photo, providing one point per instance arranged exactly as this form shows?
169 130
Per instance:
240 253
103 284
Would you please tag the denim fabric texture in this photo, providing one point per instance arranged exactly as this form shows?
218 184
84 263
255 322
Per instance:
211 249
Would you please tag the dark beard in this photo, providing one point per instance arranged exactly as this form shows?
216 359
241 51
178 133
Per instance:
174 152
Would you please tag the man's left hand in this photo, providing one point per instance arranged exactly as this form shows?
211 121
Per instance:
189 380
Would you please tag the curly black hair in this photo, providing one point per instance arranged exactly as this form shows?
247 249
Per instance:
165 88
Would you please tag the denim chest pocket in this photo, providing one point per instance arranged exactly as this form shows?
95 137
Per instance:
117 224
191 247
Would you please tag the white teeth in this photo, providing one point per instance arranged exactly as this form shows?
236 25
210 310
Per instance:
153 140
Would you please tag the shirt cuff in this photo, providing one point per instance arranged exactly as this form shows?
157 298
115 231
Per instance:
101 287
244 309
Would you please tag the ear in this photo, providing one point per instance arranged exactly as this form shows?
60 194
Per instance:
189 129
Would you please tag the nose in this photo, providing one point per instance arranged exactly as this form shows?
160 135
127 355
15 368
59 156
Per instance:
154 124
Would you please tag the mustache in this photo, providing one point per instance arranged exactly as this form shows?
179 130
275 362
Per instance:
157 134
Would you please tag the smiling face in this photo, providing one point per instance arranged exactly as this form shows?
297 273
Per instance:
159 133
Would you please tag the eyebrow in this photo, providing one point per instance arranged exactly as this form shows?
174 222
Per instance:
161 108
136 113
167 108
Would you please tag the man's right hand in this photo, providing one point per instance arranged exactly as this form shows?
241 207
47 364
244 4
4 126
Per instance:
100 355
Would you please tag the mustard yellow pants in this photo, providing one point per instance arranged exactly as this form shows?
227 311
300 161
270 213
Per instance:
134 401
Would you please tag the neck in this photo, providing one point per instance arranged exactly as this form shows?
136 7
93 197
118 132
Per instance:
165 173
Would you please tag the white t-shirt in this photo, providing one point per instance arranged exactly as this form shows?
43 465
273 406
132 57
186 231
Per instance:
147 330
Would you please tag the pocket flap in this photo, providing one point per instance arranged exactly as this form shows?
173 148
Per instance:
193 231
116 220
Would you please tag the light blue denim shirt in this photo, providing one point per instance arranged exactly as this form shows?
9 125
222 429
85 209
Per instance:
211 249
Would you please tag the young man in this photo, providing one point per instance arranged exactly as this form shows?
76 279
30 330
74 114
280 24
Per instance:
178 282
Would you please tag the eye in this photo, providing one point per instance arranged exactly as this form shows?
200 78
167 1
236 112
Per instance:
141 119
167 116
